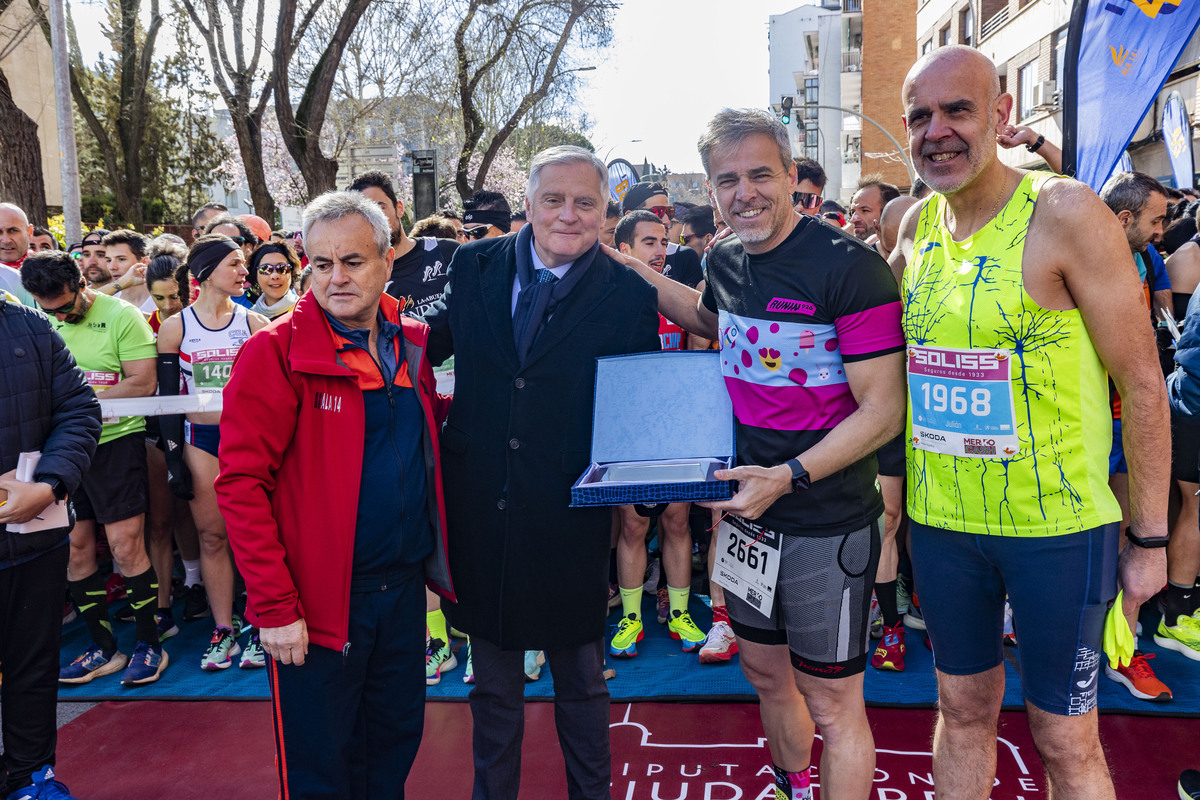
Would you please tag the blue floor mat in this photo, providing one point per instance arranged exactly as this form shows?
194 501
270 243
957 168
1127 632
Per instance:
659 672
662 672
181 680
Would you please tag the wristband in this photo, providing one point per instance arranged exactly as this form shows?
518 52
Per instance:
1147 542
1033 148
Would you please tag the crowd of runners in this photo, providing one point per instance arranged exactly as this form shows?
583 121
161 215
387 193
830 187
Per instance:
969 413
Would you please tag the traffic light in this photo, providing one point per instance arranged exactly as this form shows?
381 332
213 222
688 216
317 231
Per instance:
786 104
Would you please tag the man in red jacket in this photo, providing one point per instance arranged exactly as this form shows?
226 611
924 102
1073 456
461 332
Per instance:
330 486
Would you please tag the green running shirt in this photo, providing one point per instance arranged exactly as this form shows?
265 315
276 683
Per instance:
970 296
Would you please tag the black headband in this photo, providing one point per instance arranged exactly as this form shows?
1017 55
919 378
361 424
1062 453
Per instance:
205 257
501 219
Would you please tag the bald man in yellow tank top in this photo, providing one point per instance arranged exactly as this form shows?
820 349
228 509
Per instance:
1020 297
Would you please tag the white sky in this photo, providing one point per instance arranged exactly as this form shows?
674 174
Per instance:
672 64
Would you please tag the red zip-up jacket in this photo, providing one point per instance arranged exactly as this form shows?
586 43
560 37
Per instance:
291 460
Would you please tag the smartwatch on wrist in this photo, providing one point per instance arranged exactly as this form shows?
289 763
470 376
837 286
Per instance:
1147 542
56 486
800 479
1033 148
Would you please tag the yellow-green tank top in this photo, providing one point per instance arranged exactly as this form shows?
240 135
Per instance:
970 294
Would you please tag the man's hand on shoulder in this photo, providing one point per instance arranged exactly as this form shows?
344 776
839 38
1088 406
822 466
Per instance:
758 489
288 644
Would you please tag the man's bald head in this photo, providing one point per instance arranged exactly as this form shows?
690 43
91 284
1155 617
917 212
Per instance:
889 222
953 111
15 231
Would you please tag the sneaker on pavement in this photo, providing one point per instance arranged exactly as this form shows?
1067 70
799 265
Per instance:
889 654
469 675
253 657
1138 677
876 618
195 603
1189 785
1182 637
682 628
913 618
166 627
145 665
533 664
221 649
91 664
663 605
439 658
44 787
624 641
720 645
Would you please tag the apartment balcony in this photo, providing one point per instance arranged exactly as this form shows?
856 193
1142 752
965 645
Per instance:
851 6
852 61
995 23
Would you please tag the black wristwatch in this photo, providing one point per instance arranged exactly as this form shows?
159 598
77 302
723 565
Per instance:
1033 148
1148 542
56 486
800 479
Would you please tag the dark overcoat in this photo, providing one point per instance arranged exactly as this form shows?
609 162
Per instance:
530 572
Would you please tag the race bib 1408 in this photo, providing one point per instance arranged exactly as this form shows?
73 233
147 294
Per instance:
962 402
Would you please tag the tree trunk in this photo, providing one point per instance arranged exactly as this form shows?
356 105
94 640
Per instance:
249 138
20 159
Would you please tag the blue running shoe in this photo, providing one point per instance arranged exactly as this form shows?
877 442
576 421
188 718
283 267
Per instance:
92 664
44 787
145 665
166 627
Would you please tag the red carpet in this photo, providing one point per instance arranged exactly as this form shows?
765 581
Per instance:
660 752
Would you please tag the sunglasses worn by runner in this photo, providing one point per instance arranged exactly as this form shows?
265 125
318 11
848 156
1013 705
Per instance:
806 199
274 269
663 212
478 232
63 309
683 240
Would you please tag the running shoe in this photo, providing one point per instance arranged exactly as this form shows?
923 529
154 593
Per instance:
195 603
44 787
239 625
92 664
653 569
1139 678
614 596
253 657
889 654
221 649
720 645
682 628
624 641
533 664
1189 785
876 618
69 613
1182 637
457 634
126 614
166 627
663 605
469 674
1010 630
913 618
903 594
145 665
439 658
114 588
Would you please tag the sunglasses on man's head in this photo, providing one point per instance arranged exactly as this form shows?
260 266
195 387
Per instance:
806 199
274 269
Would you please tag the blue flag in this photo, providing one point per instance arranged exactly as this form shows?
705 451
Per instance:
1177 133
1119 55
621 175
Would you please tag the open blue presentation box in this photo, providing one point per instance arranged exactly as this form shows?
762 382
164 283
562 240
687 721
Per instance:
662 424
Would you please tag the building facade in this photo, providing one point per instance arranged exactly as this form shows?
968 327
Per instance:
832 64
1027 40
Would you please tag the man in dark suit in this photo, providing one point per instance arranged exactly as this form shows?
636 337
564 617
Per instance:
526 316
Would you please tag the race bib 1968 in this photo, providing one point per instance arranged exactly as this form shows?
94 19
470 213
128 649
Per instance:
962 402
